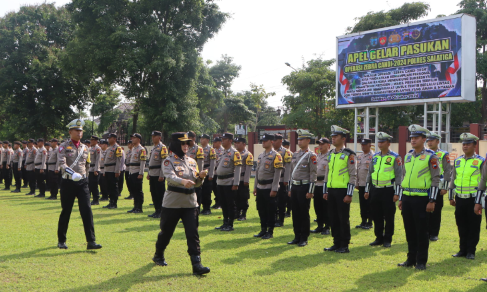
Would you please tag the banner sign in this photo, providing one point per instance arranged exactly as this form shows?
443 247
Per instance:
412 63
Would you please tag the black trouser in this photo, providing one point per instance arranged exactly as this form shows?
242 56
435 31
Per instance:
53 182
17 175
41 181
93 182
300 209
416 225
157 190
103 186
216 191
121 179
137 190
243 196
266 206
169 220
321 208
383 208
468 224
227 201
31 178
46 176
112 186
69 191
364 205
282 199
206 194
339 213
198 196
7 175
128 182
24 173
435 217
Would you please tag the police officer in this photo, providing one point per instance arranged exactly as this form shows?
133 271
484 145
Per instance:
208 165
137 165
94 170
1 162
196 152
382 189
103 182
338 189
303 180
266 185
17 166
228 174
74 159
41 168
180 202
156 175
47 145
30 167
111 173
7 157
25 149
121 178
217 145
53 169
282 196
465 180
320 204
128 155
363 161
433 142
286 144
419 191
243 193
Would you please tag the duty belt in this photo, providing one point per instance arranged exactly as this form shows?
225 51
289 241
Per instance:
51 163
466 196
38 163
383 187
225 176
300 182
416 190
265 182
110 164
68 176
206 166
27 163
181 190
320 178
92 165
134 164
102 167
155 167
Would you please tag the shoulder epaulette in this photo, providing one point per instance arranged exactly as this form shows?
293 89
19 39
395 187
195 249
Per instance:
430 151
349 151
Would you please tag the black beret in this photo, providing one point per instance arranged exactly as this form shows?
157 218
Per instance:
24 142
366 141
205 136
40 140
54 140
17 142
137 135
94 138
278 136
104 142
112 135
87 142
286 142
324 140
47 144
267 137
227 136
241 139
156 133
191 134
31 140
5 142
129 141
217 139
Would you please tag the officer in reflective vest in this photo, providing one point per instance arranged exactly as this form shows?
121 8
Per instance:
385 171
433 142
417 197
465 180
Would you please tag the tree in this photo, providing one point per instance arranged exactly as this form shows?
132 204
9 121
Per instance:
104 107
39 96
223 73
234 111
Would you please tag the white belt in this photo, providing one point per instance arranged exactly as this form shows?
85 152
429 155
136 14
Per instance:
300 182
68 176
466 196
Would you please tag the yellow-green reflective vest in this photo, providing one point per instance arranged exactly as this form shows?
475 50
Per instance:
417 175
383 174
440 155
338 176
467 173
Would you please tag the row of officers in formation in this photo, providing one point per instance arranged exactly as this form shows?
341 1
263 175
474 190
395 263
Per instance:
284 182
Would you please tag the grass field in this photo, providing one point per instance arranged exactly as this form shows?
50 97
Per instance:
30 261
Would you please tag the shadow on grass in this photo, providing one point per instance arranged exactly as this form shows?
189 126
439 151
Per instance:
126 281
384 281
454 267
37 253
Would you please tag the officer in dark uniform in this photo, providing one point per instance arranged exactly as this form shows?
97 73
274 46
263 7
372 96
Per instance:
6 165
286 144
156 175
111 173
40 164
282 197
127 169
24 171
243 194
53 170
74 159
217 145
364 159
94 171
319 203
17 166
137 166
209 165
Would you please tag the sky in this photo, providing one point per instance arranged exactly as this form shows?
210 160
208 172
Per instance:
263 35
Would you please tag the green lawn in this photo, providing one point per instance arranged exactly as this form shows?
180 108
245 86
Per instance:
30 261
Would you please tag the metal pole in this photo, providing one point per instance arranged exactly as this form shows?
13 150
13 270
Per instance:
366 128
355 131
448 134
434 118
440 118
376 127
425 118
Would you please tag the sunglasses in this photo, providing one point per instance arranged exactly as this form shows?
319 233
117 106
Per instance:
184 142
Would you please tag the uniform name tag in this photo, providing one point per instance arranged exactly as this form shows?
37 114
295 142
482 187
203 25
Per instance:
342 156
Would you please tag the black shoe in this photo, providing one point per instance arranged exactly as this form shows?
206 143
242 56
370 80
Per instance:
242 218
288 214
113 206
151 214
317 230
51 198
406 264
227 228
484 279
332 248
421 267
29 194
198 268
151 204
278 224
470 256
315 220
261 233
343 250
129 198
157 215
25 186
325 232
221 227
15 191
93 203
40 196
387 244
131 211
376 243
62 245
208 212
433 238
216 207
303 243
294 241
268 236
459 254
136 211
103 199
159 259
93 245
362 225
368 225
107 206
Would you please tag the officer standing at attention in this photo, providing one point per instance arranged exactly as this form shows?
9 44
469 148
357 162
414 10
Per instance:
243 194
196 152
7 157
209 166
382 189
94 171
1 162
25 149
320 204
17 166
103 181
286 144
53 169
419 190
303 180
217 145
137 165
156 174
433 142
338 189
47 145
180 202
465 180
40 168
363 161
121 178
74 160
282 196
111 173
228 174
266 185
128 155
29 167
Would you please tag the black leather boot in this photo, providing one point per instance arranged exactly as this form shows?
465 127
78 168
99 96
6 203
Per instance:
159 258
198 268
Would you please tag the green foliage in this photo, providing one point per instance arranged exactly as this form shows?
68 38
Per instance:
234 111
223 73
104 107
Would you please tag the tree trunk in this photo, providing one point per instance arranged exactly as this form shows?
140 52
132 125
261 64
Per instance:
135 117
483 92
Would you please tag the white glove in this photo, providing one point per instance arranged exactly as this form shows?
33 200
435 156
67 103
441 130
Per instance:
76 177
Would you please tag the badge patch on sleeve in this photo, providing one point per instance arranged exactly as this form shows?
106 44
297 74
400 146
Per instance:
212 153
250 160
352 159
166 163
447 157
237 159
278 161
399 161
313 159
434 163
